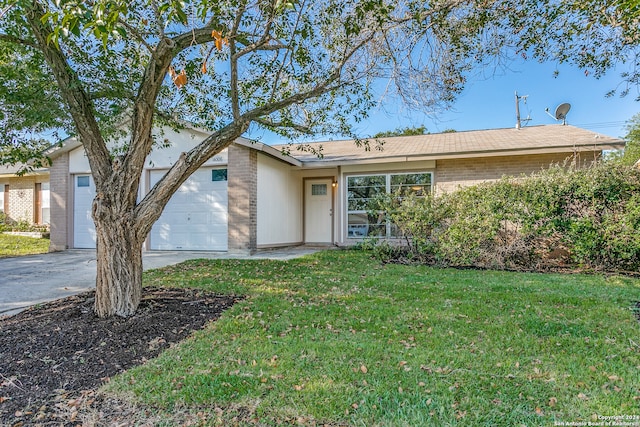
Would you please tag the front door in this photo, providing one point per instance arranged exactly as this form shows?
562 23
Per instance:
318 211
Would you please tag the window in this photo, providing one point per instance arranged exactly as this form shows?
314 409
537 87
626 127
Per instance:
83 181
318 189
418 183
219 175
361 190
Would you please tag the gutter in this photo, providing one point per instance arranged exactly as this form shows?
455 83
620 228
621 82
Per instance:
346 161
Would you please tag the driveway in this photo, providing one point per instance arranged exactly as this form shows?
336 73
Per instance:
34 279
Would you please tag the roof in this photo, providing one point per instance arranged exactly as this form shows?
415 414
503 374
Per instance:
479 143
7 171
468 144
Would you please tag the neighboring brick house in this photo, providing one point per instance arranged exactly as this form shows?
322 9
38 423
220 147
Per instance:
252 196
24 198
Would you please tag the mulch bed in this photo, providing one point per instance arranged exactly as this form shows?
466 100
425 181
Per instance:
54 356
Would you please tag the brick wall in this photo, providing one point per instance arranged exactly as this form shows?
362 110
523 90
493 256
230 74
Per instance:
243 200
21 198
455 173
59 194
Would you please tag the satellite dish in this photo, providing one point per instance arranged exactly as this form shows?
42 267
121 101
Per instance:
561 112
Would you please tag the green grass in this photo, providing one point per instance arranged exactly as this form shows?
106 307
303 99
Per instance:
11 245
338 338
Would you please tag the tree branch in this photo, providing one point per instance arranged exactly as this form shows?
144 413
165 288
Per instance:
71 88
150 208
137 36
18 40
287 52
6 9
264 39
269 123
233 62
156 11
143 109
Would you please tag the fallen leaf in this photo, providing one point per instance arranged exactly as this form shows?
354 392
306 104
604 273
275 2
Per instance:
363 369
297 387
539 411
583 396
552 401
461 414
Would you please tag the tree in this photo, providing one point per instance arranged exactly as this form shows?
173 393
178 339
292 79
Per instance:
631 153
292 66
406 131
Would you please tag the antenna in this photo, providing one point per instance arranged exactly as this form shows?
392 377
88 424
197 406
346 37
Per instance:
561 112
518 98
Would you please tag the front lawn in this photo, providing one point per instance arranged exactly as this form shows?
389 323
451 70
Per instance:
338 338
11 245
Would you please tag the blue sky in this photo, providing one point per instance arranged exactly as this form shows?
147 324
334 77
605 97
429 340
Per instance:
489 102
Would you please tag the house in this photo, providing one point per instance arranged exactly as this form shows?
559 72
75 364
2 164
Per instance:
25 198
252 196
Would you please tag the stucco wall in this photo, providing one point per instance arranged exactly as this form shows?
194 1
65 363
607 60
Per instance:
173 144
279 195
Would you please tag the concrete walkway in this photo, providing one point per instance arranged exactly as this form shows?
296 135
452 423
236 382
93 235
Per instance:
34 279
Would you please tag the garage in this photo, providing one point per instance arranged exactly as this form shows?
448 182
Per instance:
84 231
195 218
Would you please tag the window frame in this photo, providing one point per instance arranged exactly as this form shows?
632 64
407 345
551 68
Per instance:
351 229
84 184
220 173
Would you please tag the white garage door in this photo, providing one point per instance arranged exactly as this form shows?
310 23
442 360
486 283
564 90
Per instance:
196 216
84 231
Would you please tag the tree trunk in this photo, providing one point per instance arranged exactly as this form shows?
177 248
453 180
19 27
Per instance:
119 270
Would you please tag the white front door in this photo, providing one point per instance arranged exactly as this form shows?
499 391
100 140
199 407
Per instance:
318 211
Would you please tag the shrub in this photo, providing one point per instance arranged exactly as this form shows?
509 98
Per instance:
589 216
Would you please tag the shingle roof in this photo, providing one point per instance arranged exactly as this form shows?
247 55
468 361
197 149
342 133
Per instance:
492 142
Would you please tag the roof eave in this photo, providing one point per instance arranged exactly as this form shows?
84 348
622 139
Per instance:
268 150
569 149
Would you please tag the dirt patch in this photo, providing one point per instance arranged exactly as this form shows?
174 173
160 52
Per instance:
53 356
